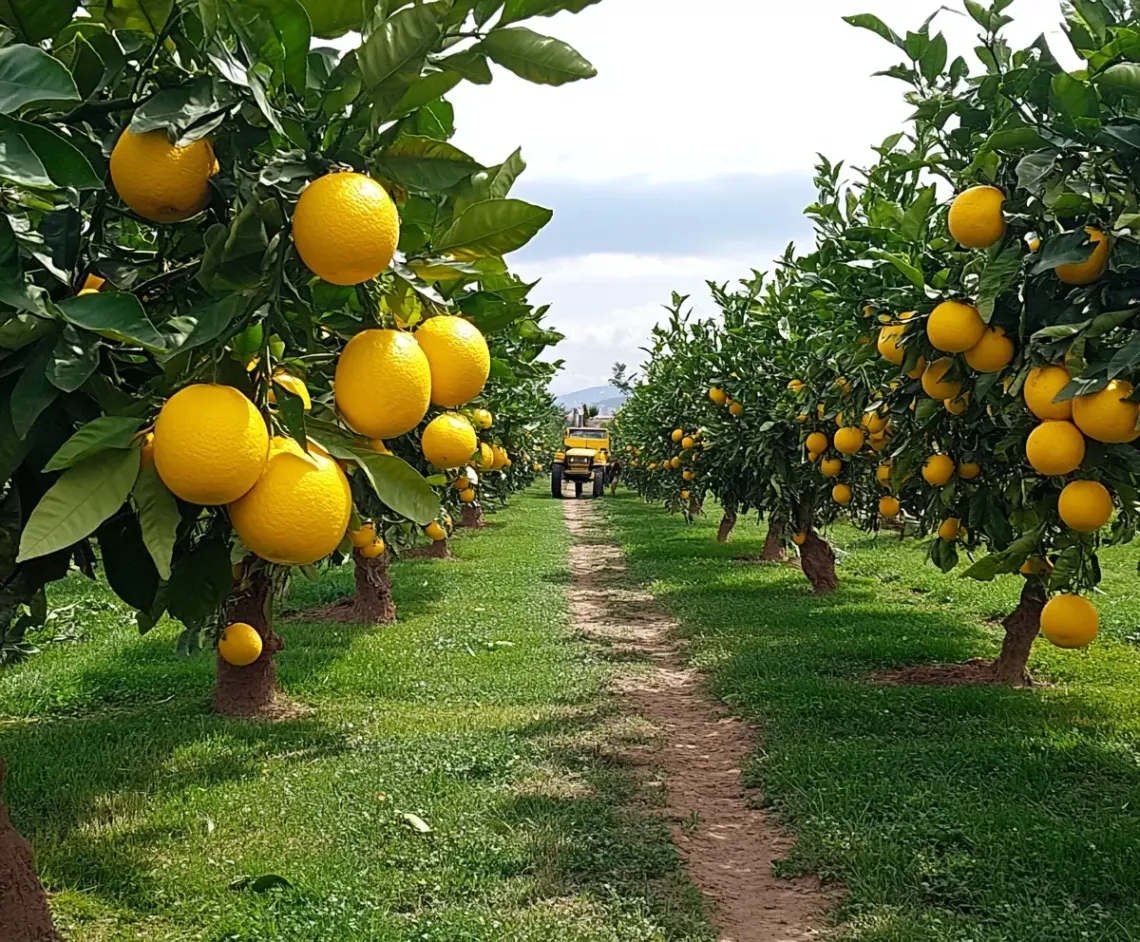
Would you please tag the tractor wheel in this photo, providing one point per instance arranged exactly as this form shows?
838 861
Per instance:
599 484
556 482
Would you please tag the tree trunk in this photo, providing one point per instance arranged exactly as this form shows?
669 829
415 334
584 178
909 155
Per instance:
1021 628
774 541
695 507
472 517
436 549
24 912
727 522
818 562
252 690
373 601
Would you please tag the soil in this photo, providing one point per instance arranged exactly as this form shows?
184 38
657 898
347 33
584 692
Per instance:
24 912
729 846
975 672
251 690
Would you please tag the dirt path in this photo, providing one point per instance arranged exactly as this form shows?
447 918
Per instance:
728 847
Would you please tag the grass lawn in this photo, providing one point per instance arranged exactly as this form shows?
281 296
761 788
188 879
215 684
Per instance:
965 814
479 713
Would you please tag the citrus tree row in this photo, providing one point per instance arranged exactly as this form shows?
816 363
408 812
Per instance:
254 309
958 349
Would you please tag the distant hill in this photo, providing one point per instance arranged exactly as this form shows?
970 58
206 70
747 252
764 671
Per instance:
606 398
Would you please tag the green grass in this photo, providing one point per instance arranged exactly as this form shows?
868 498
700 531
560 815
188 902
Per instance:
479 712
964 814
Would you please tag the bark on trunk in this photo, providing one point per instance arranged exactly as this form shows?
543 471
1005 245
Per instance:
818 562
373 601
774 542
695 507
437 549
727 522
472 517
24 912
252 690
1021 628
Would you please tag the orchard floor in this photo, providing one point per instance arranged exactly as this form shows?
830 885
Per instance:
480 714
953 814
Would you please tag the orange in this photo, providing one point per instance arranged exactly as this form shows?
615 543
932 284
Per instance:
1070 621
937 470
976 220
992 353
933 383
1085 273
1085 506
1055 447
1108 416
954 327
1041 388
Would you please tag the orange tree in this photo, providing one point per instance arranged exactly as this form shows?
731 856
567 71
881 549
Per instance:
212 223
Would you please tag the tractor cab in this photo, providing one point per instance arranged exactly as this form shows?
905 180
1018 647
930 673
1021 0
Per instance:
584 458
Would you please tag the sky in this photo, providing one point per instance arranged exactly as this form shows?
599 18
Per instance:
689 157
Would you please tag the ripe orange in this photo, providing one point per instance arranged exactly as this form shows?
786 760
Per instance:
933 383
950 529
1041 388
1085 506
1085 273
240 644
976 220
954 327
817 442
831 467
1070 621
849 440
841 494
889 506
1055 447
992 353
937 470
1108 415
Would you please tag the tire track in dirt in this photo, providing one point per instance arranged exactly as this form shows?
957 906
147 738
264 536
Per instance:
728 847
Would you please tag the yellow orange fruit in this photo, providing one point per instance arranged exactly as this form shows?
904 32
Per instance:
957 406
435 533
293 384
1042 386
383 383
933 383
736 409
830 467
1055 447
976 219
889 506
817 442
1036 566
937 470
718 396
796 385
883 474
950 529
1108 416
687 442
919 369
346 228
467 495
449 441
685 495
677 435
365 536
373 550
240 644
993 353
849 440
159 181
210 444
459 357
954 327
298 511
888 344
483 418
968 470
800 538
1085 273
841 494
1070 621
1085 506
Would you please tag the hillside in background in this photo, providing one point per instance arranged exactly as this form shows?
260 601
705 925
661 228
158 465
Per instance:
607 398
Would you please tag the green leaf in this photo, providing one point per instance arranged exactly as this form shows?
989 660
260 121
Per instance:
1034 170
146 16
276 32
536 58
421 163
514 10
396 51
234 257
492 227
1000 273
159 518
65 163
107 431
913 274
1073 98
29 75
116 316
471 64
36 20
504 176
73 360
914 219
1124 77
1070 248
127 565
200 582
292 411
933 59
187 112
1016 139
19 163
206 324
83 497
985 569
399 485
425 90
332 18
876 26
33 392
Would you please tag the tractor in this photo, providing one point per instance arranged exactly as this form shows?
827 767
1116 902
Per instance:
585 460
